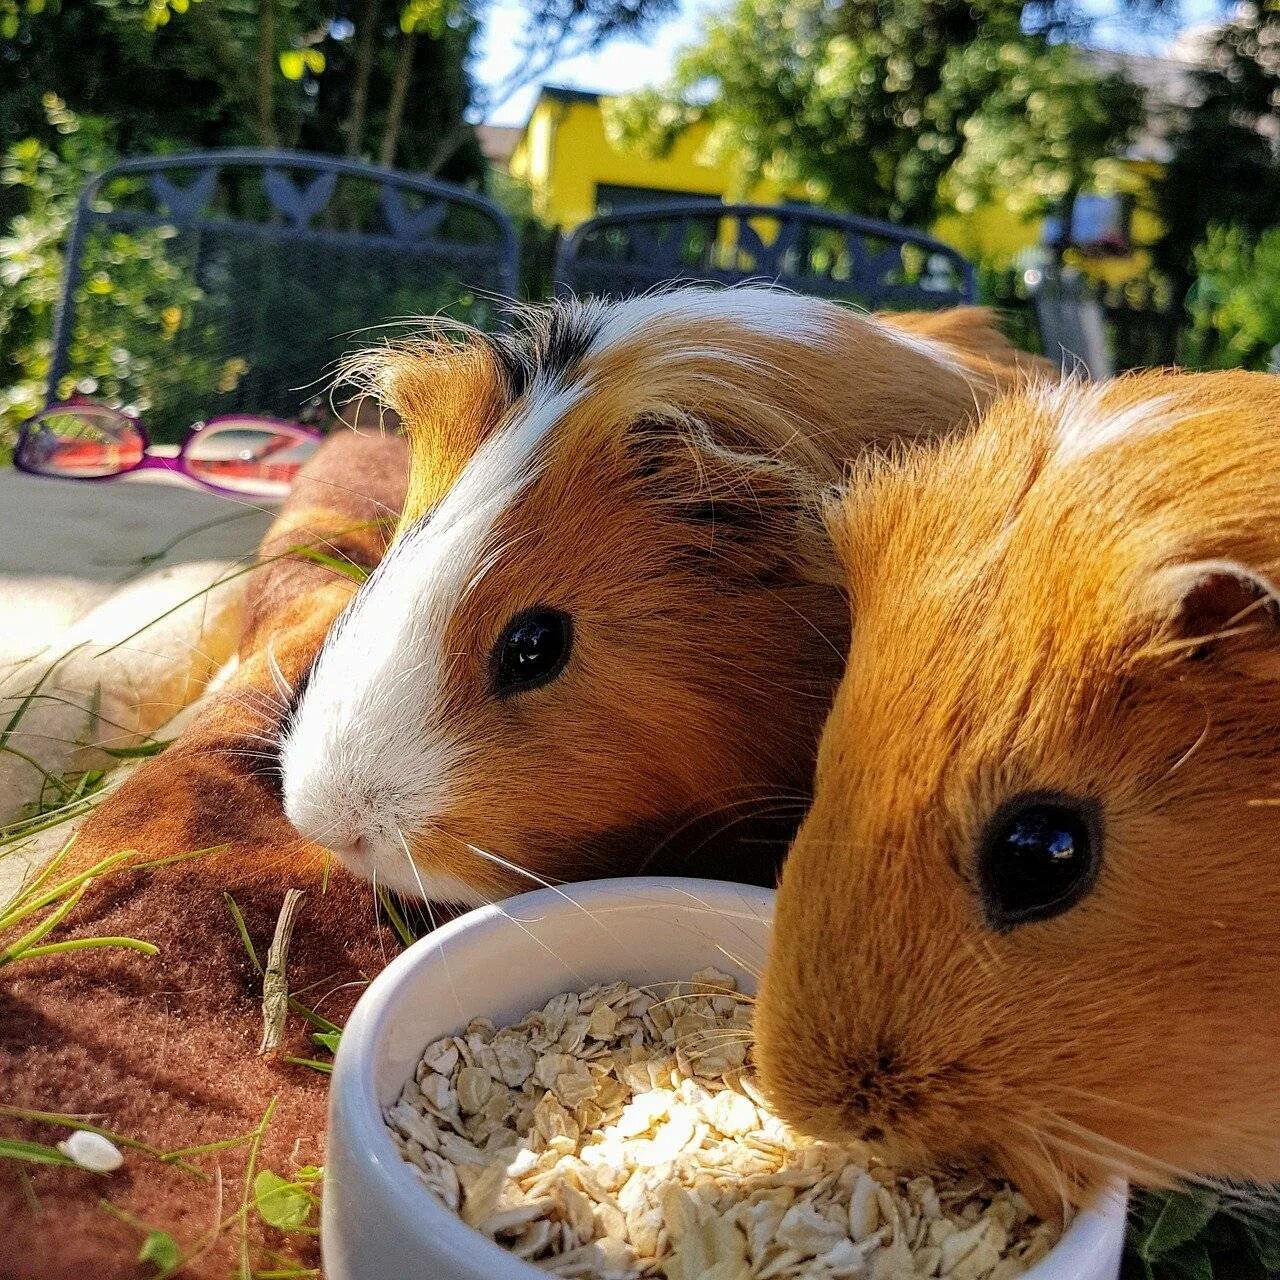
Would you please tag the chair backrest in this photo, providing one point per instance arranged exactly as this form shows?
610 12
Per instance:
1071 322
235 281
809 250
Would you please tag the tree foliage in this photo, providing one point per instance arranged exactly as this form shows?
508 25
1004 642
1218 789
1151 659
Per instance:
165 74
1235 300
83 82
893 108
1226 161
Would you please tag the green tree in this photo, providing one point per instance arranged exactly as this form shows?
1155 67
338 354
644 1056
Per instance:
893 108
318 74
1225 167
1235 300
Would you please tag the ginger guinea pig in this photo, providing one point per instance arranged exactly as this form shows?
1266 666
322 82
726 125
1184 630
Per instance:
610 618
1030 916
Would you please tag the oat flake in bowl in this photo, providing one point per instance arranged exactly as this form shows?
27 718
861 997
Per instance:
617 1133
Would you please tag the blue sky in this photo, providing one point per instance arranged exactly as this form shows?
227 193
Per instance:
624 65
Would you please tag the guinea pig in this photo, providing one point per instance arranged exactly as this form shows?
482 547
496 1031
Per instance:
609 622
1030 918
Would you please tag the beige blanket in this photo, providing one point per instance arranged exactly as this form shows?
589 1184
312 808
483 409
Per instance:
119 602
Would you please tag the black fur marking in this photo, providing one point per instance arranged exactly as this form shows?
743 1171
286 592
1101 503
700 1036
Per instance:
551 344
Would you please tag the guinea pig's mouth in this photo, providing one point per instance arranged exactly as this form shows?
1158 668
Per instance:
894 1124
417 868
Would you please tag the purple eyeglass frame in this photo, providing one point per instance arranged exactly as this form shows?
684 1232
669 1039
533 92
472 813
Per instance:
148 462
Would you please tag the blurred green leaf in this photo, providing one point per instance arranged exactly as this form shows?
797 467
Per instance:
1181 1218
161 1250
281 1204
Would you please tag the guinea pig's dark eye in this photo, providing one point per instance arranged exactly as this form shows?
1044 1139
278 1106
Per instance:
1038 858
532 650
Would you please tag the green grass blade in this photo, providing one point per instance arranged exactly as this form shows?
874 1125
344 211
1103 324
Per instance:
33 1153
23 945
246 1196
16 719
243 930
91 944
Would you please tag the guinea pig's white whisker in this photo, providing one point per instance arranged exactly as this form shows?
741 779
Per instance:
431 916
1050 1166
740 996
268 756
1197 1124
377 922
742 964
524 928
1124 1168
259 701
713 1035
513 866
537 879
764 801
1121 1154
333 991
729 917
283 687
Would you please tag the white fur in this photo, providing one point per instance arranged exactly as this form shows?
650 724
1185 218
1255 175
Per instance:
369 756
933 350
1085 423
772 313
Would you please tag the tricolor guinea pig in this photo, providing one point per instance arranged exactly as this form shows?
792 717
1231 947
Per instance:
1030 916
610 615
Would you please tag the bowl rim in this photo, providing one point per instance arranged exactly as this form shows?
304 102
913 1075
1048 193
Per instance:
386 1173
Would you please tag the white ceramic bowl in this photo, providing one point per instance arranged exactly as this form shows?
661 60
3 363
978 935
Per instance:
379 1223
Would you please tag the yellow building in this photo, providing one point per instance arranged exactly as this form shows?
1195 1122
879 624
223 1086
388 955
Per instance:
573 171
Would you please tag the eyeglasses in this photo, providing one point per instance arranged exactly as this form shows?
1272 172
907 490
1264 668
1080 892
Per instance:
236 454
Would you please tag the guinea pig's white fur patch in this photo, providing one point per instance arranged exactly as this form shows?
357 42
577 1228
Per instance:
772 313
1086 421
930 348
366 758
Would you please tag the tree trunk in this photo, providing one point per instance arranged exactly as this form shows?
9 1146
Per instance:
447 148
366 30
266 72
399 94
1066 229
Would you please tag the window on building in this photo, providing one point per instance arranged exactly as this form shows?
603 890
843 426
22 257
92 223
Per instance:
1100 225
611 197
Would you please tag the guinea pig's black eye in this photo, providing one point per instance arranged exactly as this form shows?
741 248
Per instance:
532 650
1038 858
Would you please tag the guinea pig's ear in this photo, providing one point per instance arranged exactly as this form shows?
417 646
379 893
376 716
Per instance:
1222 610
753 512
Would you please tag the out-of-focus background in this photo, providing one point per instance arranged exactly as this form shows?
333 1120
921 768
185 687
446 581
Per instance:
1135 140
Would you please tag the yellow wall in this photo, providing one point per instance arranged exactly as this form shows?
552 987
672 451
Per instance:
565 153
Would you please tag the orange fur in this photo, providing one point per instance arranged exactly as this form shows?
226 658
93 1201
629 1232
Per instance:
1026 622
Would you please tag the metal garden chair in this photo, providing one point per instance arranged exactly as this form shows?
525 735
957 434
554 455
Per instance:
806 249
235 281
